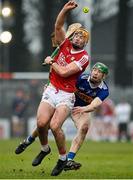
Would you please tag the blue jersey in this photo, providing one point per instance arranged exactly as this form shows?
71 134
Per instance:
85 93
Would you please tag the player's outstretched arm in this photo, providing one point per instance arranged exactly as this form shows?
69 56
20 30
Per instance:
89 108
59 24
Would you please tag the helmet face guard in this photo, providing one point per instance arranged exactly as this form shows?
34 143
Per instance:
72 28
84 33
102 67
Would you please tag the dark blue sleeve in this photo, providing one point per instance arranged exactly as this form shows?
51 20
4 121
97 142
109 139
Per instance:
103 94
78 81
81 79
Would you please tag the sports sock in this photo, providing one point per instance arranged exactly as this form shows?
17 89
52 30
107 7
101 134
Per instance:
29 140
62 157
71 156
45 148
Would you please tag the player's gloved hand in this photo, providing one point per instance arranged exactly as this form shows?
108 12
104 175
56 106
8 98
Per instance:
48 60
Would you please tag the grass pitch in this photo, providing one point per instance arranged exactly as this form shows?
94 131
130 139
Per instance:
100 160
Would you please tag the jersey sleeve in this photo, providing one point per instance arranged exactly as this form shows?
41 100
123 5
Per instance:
103 94
78 81
82 62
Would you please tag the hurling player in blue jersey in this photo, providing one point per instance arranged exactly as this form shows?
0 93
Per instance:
91 91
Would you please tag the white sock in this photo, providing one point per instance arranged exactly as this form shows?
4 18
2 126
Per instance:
45 148
63 157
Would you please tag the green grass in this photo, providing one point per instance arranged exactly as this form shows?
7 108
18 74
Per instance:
100 160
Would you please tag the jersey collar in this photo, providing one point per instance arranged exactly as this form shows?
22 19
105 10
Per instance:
75 52
93 86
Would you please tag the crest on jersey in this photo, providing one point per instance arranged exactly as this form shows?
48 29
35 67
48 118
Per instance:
72 58
94 94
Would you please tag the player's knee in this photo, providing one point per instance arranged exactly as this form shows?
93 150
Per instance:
84 128
54 127
40 123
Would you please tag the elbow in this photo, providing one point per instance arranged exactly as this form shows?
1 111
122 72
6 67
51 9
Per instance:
57 27
63 74
58 38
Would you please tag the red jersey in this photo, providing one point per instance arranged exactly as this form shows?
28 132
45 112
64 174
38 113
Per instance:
66 56
107 108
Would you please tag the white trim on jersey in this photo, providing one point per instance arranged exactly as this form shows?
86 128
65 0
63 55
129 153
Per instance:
81 62
75 52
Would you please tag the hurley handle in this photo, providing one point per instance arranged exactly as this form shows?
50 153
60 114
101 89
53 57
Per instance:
55 52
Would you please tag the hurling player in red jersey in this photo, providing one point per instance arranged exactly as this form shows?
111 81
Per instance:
91 92
58 98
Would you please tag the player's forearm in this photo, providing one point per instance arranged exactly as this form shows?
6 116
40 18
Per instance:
93 106
65 71
59 30
60 19
59 27
90 108
62 15
59 70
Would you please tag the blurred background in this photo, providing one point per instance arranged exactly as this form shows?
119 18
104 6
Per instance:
25 29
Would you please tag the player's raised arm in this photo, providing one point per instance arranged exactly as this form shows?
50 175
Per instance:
59 24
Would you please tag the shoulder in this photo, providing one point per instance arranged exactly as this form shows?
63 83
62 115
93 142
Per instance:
83 76
84 55
104 86
66 42
83 58
104 90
